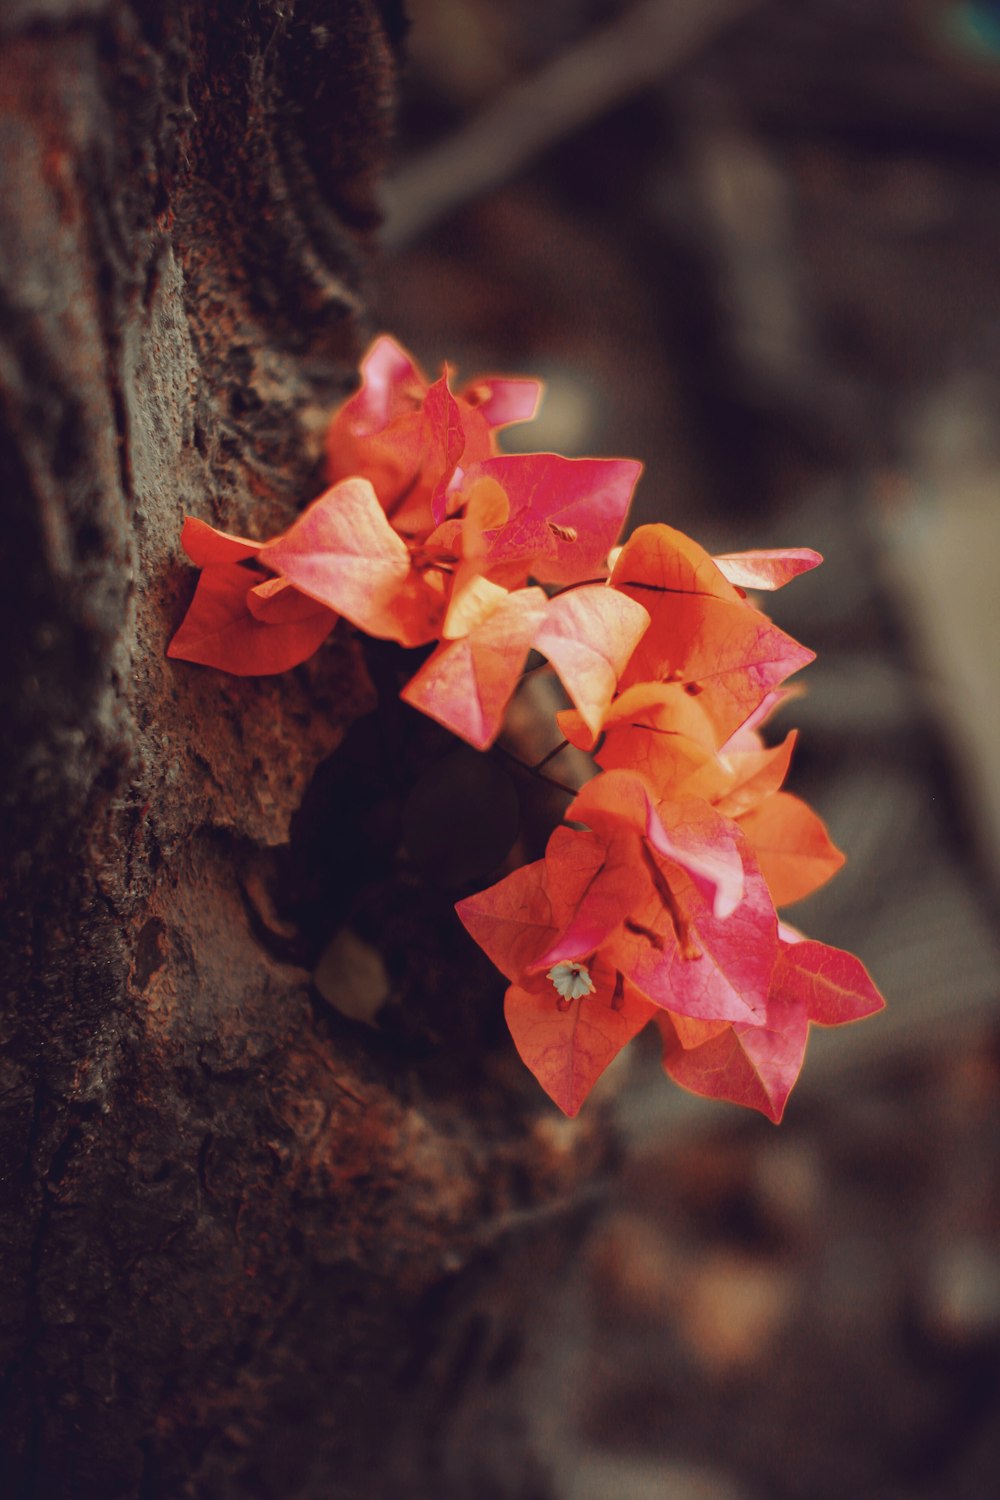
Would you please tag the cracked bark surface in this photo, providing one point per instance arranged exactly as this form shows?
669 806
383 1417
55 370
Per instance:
248 1248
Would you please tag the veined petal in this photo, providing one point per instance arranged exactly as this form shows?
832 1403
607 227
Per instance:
588 634
701 842
689 1032
342 552
659 559
831 987
467 683
727 654
275 601
512 921
766 569
515 920
687 960
609 880
795 851
473 599
707 854
391 384
565 513
568 1044
220 631
755 1066
444 444
753 776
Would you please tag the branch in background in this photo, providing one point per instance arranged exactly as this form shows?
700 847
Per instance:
610 66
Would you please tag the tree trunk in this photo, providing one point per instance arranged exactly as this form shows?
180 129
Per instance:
251 1248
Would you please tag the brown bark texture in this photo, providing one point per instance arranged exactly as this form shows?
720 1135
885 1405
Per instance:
249 1248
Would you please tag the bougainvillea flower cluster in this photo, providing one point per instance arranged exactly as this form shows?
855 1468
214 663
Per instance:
431 539
656 901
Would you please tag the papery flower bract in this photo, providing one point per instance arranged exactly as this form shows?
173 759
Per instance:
343 552
653 727
686 832
795 851
564 514
667 734
567 1042
651 915
660 731
757 1066
635 901
499 535
241 620
467 683
833 987
766 569
568 1045
703 634
206 545
678 904
741 779
588 635
433 537
408 435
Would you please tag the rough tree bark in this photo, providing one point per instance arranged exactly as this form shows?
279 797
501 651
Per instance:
249 1248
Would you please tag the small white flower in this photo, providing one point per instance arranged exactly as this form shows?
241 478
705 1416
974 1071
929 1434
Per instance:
572 980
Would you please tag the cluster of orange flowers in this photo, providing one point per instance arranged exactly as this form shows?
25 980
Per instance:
662 908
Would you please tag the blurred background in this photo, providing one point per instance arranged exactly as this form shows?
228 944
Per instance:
756 243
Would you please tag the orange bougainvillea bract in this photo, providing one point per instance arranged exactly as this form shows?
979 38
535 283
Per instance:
656 901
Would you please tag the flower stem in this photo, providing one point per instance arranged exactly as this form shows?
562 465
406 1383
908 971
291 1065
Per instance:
560 786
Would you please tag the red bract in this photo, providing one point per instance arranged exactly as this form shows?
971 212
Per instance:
703 633
241 619
677 903
568 1043
652 727
766 570
434 538
588 635
567 1036
795 851
454 585
594 949
468 682
235 627
564 514
757 1065
408 436
205 546
832 986
343 553
657 729
686 832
